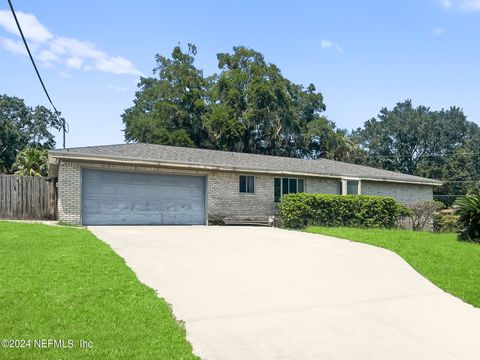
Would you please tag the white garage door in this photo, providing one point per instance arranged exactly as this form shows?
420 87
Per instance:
128 198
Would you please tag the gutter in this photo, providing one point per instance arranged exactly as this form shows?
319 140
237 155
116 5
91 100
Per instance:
184 165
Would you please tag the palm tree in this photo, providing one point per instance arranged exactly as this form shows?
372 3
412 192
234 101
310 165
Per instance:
31 162
468 208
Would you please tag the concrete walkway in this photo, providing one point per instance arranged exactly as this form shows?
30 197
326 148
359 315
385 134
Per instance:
262 293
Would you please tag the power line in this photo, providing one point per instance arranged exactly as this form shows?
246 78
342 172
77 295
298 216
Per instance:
36 70
449 195
430 155
460 181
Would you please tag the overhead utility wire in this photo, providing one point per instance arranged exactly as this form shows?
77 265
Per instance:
426 155
460 181
36 70
449 195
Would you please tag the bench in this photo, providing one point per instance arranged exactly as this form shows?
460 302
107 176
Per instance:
250 220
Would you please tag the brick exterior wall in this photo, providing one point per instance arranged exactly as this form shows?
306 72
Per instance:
405 193
69 185
225 199
223 195
321 185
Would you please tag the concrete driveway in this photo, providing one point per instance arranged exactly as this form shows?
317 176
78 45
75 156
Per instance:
262 293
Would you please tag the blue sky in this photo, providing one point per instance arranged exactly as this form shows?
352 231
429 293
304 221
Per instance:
362 55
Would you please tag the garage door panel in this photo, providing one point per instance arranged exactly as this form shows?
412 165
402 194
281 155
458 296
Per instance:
115 197
147 192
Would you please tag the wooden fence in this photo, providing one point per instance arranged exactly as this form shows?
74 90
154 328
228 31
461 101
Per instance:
28 197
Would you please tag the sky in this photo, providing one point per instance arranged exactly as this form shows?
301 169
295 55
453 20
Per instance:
361 55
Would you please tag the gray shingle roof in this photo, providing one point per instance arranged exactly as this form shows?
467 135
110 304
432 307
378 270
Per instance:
236 161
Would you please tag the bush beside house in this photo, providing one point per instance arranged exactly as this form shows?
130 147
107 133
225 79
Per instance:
301 210
445 222
422 215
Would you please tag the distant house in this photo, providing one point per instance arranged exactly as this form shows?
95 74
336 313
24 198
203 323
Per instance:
157 184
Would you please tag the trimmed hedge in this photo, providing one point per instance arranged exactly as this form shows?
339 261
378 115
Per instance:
301 210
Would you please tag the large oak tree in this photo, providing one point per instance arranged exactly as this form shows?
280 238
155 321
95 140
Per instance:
249 106
441 144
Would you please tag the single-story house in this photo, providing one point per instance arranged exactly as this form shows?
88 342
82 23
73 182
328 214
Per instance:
158 184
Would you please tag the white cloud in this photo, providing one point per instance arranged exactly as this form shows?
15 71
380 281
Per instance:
76 48
31 27
464 5
327 44
46 56
438 31
116 65
13 46
70 52
74 63
85 55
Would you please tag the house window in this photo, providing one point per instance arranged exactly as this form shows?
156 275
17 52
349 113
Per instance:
348 187
301 186
247 184
339 188
283 186
352 187
278 189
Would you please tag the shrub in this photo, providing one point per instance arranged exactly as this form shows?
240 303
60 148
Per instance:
468 210
300 210
421 214
445 223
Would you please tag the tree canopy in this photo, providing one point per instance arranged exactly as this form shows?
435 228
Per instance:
249 106
170 109
441 145
23 126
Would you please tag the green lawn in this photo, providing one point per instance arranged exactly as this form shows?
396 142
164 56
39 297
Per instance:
64 283
452 265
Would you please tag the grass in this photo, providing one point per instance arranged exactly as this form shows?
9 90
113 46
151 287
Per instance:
452 265
64 283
